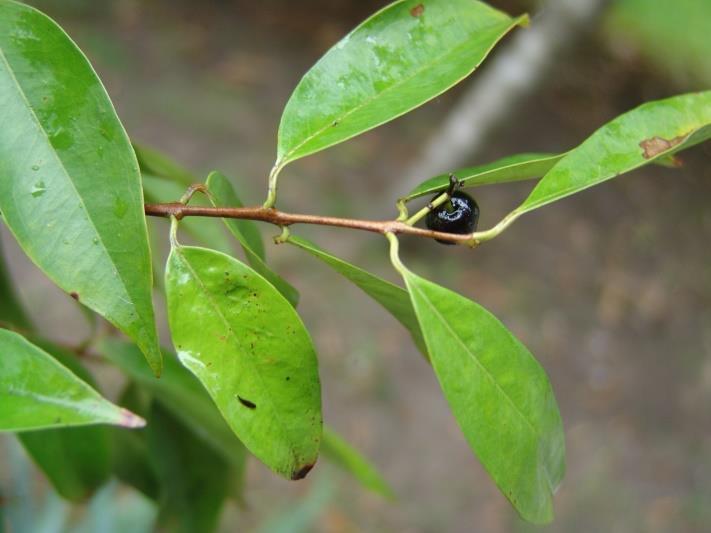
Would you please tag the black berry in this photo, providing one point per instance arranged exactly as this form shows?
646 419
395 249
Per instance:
459 215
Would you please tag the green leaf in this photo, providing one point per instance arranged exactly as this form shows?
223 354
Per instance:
77 461
131 461
513 168
11 310
337 450
70 190
249 348
180 392
37 392
398 59
194 480
246 232
652 131
206 230
394 299
157 164
499 394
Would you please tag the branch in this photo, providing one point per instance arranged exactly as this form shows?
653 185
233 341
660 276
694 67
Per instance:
281 219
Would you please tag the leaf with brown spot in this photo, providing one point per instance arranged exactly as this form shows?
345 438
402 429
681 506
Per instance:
668 126
417 10
258 353
656 145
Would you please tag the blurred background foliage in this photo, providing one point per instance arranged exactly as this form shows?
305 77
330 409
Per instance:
672 36
611 289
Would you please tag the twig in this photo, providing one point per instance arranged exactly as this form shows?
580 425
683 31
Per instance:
282 219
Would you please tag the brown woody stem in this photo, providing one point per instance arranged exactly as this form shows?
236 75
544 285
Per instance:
279 218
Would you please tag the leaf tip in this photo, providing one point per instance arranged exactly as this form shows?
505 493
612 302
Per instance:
155 359
524 21
301 472
128 419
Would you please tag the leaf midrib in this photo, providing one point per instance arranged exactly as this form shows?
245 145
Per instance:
466 181
562 193
417 72
34 116
479 363
488 375
231 333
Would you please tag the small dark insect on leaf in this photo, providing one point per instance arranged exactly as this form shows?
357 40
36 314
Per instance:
247 403
74 295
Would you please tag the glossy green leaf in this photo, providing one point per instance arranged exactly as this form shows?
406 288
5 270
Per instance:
180 392
338 451
77 461
70 190
11 310
401 57
641 136
250 350
499 394
154 163
193 479
513 168
37 392
205 230
246 232
394 299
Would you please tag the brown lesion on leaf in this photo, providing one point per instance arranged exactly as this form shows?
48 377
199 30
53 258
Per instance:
658 145
417 10
74 295
301 472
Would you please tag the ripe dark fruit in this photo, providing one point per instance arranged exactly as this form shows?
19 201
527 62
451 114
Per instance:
459 215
